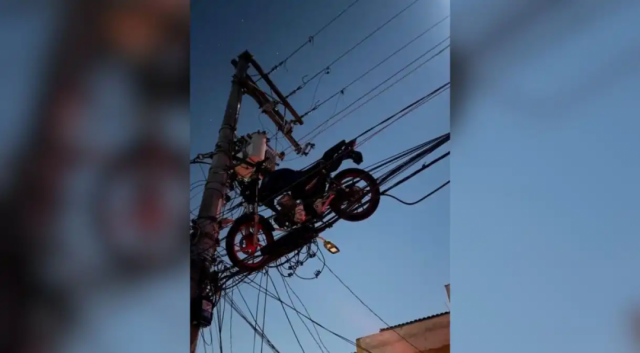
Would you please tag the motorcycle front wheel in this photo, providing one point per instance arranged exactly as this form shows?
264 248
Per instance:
354 186
242 250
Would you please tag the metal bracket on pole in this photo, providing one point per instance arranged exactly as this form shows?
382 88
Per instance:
269 106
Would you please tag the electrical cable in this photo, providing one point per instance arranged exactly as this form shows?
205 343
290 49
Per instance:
365 140
257 307
231 326
385 178
426 99
234 306
307 312
341 91
387 161
300 317
421 199
220 322
369 308
255 318
305 82
376 95
264 316
311 39
250 284
285 313
423 168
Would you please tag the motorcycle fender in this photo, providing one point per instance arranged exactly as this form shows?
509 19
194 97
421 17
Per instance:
248 217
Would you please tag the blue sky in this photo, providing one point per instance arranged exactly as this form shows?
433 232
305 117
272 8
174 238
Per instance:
544 202
401 252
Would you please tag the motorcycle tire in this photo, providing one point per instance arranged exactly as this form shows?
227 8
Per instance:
234 231
372 183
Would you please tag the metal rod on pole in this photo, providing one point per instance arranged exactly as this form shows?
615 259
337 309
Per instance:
214 193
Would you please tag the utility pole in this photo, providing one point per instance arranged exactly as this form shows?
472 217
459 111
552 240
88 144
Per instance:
214 196
216 187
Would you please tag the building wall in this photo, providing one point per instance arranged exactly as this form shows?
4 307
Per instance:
430 336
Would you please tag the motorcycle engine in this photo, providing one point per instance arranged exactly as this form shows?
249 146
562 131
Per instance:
289 206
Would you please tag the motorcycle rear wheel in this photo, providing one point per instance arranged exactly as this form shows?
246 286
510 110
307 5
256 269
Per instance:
372 190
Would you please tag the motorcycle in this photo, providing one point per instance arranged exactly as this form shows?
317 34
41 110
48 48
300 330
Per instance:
299 200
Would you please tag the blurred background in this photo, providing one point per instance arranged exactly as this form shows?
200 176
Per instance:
95 144
544 197
95 147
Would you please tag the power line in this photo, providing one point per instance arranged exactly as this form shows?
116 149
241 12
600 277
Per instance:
231 327
420 199
251 282
395 172
377 94
341 91
429 97
220 315
235 307
285 313
418 171
350 50
306 311
387 161
284 282
257 313
264 317
369 308
310 40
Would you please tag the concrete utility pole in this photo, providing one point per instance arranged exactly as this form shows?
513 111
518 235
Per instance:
218 178
214 193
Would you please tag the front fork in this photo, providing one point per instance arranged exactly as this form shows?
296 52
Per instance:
328 201
256 217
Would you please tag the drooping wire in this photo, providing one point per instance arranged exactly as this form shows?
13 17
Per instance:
257 315
420 170
422 198
395 171
220 322
257 329
369 308
315 92
264 316
343 89
231 326
310 40
204 341
306 81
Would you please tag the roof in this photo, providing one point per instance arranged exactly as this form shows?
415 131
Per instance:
414 321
